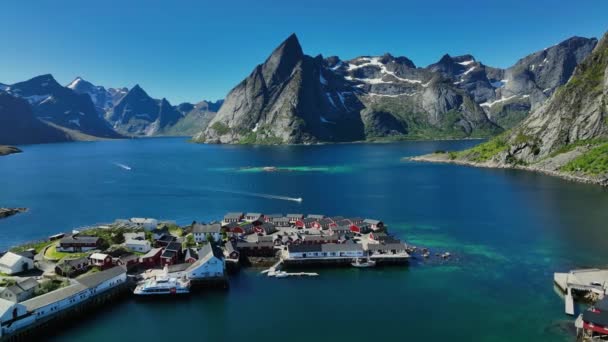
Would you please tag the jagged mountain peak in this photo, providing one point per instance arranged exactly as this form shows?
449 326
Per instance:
282 61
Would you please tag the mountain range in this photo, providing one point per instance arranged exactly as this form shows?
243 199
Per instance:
565 136
40 110
296 98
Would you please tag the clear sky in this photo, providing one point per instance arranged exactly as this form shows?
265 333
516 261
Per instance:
194 50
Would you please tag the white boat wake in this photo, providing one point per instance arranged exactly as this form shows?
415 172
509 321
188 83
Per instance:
123 166
255 194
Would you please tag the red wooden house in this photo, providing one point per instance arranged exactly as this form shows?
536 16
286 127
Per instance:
100 260
152 258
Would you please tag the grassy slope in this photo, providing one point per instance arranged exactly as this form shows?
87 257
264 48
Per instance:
588 80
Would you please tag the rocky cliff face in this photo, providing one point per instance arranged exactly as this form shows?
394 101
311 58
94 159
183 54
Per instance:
286 99
566 136
295 98
577 111
18 124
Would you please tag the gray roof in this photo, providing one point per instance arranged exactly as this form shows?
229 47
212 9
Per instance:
338 247
295 215
79 239
178 267
28 284
207 250
303 248
265 238
254 214
151 253
233 215
371 221
328 247
274 215
207 228
386 247
94 279
54 296
73 262
315 216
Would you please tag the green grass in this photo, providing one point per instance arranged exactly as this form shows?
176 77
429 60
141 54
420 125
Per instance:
220 128
53 254
49 286
578 143
484 152
37 246
175 230
593 162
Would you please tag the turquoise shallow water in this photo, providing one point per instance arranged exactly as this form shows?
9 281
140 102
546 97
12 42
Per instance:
509 231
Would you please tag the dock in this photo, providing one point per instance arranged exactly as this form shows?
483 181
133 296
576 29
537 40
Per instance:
591 281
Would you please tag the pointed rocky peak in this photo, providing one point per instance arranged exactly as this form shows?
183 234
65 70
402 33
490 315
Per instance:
446 59
282 61
39 85
136 92
75 83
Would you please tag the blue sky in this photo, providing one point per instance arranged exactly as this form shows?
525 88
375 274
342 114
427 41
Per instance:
194 50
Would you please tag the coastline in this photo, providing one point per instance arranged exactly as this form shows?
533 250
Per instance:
6 150
444 158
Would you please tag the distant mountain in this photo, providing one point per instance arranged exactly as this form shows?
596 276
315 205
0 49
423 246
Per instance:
568 134
295 98
18 124
139 114
104 99
61 106
195 118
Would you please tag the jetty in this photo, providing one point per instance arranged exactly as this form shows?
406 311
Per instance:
591 284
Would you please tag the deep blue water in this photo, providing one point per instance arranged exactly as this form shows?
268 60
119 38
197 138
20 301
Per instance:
510 230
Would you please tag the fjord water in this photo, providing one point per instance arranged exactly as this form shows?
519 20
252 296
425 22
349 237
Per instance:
509 231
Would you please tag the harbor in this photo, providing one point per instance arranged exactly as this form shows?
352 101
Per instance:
45 280
588 287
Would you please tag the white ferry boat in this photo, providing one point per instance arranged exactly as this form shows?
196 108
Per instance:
162 285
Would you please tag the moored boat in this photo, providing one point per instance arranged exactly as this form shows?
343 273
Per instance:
364 264
162 285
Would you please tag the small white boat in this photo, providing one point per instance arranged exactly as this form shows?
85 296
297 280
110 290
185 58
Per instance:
162 285
281 274
156 286
364 264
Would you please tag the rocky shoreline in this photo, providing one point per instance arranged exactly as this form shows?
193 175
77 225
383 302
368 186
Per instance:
6 212
6 150
444 158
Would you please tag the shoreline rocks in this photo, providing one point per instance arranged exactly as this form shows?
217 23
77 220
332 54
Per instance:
6 150
444 158
6 212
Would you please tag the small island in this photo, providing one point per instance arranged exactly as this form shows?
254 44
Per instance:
6 212
6 150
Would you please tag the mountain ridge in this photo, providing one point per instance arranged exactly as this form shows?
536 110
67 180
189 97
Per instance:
295 98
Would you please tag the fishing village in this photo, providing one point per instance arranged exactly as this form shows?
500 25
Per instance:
68 273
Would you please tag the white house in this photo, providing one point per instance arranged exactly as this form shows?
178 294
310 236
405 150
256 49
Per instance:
200 231
20 291
13 263
146 223
325 251
210 264
54 302
9 311
137 242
